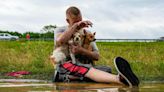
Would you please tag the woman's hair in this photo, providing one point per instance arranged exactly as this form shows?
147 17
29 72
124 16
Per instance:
73 11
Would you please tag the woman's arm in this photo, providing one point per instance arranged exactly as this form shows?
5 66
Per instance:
65 36
62 38
94 55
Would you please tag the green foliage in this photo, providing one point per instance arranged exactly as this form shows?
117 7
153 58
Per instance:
12 33
47 35
46 32
49 28
32 34
146 59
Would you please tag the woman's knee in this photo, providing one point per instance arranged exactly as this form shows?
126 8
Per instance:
90 72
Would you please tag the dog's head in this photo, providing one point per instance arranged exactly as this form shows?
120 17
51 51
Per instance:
77 37
90 36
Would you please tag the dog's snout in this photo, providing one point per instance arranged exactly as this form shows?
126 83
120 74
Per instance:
77 39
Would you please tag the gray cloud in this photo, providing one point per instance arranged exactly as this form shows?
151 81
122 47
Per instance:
111 18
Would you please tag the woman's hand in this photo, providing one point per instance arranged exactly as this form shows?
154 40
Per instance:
82 24
76 49
82 51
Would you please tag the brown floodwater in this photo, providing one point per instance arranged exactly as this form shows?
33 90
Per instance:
43 86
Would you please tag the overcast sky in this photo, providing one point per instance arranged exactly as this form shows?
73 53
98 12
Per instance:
115 19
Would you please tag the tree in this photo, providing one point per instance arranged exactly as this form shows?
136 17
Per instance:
49 28
48 31
12 33
32 34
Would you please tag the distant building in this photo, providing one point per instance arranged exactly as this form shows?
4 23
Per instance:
162 38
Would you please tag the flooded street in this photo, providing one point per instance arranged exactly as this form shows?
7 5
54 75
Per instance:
24 86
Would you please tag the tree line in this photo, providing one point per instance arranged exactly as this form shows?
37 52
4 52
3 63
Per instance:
46 32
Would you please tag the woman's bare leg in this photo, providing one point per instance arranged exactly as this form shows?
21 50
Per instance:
101 76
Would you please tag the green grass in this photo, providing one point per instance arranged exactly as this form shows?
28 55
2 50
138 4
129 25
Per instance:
146 59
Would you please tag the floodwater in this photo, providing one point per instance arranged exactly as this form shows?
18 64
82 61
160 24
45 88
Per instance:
43 86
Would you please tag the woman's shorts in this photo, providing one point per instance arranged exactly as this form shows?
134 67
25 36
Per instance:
77 69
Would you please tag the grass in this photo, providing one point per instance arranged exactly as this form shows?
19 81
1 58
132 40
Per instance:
146 59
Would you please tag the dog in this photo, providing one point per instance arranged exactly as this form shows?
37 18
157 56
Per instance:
89 37
77 39
60 53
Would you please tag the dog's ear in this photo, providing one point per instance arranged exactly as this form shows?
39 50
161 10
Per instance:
85 32
67 21
94 33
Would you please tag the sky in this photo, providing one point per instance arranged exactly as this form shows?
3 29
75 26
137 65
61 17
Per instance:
112 19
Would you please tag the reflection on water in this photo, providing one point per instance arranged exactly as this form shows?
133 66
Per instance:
93 87
77 87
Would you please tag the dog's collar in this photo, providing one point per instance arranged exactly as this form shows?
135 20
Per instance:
94 40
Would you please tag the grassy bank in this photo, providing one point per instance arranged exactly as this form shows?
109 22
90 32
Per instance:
146 59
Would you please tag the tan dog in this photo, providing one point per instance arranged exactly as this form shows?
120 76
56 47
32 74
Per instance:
60 53
89 37
77 39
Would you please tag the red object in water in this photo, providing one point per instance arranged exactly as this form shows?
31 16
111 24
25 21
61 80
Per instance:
18 73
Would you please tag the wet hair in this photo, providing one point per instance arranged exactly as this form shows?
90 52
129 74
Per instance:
73 11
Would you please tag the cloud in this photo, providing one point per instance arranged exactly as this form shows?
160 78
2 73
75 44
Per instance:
111 18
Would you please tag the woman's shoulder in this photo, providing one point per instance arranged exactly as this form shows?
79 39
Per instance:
60 29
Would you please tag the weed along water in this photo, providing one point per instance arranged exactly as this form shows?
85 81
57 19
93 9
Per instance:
146 59
13 85
33 56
